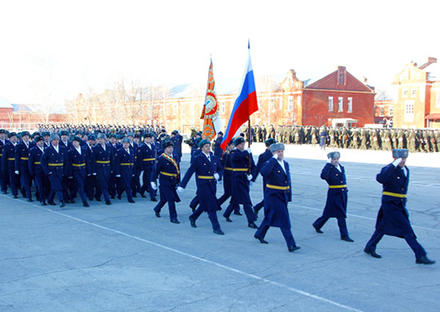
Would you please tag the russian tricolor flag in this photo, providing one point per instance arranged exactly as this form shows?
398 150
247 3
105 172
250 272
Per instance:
245 105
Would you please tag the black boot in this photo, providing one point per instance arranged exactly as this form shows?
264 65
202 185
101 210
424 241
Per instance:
228 219
107 202
86 204
424 260
293 248
192 222
261 240
318 230
219 232
347 239
252 225
372 253
62 204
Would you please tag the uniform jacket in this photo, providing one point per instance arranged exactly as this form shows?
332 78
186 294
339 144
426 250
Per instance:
336 204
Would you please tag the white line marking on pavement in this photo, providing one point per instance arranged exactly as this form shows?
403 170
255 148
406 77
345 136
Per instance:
366 218
182 253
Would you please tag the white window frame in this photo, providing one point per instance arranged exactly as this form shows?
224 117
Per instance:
350 105
330 104
413 92
405 92
290 103
409 110
340 104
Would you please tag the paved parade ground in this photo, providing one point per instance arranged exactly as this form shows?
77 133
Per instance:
122 258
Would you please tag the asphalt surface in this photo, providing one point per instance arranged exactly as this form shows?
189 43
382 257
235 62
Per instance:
122 258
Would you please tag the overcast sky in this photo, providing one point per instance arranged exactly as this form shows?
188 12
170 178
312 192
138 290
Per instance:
52 50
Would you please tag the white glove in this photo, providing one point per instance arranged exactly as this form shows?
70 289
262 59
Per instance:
89 175
70 177
17 172
249 177
118 175
249 150
94 173
216 176
180 189
153 185
397 162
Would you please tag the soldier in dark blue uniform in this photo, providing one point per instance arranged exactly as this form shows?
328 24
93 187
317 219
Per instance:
113 183
336 205
53 163
68 187
208 171
218 152
393 217
227 173
36 171
167 170
134 147
46 138
177 139
262 158
21 164
3 174
124 164
147 161
243 167
78 168
8 163
101 166
277 194
90 184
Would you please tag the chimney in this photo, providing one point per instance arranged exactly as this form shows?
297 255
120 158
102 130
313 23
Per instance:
341 75
431 60
364 80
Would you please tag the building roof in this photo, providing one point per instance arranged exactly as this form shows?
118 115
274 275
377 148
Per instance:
340 79
21 108
433 71
4 103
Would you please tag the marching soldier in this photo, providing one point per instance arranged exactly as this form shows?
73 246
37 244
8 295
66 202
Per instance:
147 159
90 184
262 158
52 162
124 169
8 163
393 218
3 174
177 139
36 171
336 206
113 183
77 168
208 170
167 170
21 164
227 173
277 194
101 166
218 152
242 167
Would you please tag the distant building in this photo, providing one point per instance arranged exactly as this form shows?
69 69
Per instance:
418 96
383 112
337 99
22 117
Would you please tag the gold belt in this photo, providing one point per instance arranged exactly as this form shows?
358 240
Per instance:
11 158
277 187
37 163
240 169
394 194
126 164
79 165
337 186
169 174
55 164
206 177
148 159
103 161
229 168
24 158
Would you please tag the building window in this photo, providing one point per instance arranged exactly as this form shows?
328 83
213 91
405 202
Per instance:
405 93
413 92
340 104
290 103
437 102
350 104
381 111
330 103
409 110
391 110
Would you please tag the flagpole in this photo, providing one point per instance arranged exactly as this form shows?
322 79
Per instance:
249 122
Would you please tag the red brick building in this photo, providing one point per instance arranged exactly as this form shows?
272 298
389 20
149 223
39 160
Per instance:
336 97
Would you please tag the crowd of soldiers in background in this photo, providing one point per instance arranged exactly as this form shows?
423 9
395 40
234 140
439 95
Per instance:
416 140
